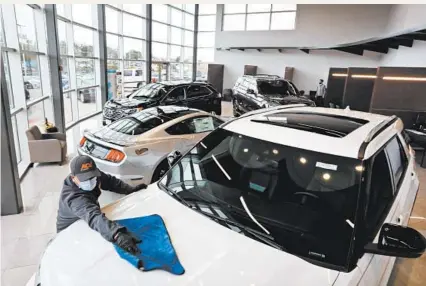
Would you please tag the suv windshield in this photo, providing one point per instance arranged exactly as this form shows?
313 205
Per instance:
151 90
276 87
299 201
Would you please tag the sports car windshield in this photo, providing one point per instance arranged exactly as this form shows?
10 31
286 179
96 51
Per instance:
151 90
296 200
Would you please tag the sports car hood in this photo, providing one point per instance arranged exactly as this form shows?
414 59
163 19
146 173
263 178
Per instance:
289 99
108 135
210 253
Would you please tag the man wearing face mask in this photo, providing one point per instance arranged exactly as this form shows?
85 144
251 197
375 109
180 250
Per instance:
79 200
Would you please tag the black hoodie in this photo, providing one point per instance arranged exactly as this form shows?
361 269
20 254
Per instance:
75 204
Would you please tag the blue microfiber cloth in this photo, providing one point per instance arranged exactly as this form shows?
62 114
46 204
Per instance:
157 251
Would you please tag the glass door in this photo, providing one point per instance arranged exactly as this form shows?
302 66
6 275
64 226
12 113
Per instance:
160 71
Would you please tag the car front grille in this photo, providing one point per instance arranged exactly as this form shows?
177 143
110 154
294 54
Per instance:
112 113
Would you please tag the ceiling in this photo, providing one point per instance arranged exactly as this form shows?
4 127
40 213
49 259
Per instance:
378 45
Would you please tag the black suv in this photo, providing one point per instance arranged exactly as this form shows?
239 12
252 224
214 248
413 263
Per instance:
262 91
198 95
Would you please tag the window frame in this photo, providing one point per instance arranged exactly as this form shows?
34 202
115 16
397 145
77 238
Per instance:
369 237
185 122
200 86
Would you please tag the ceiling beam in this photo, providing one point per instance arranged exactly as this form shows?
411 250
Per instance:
417 36
306 51
406 42
387 42
351 50
281 51
241 50
259 50
375 48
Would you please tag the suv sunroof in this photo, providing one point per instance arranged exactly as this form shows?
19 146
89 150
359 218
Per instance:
326 124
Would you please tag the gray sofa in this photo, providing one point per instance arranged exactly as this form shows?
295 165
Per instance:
46 147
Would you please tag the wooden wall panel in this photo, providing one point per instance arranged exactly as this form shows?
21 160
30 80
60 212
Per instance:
405 98
359 88
335 86
250 70
215 76
288 73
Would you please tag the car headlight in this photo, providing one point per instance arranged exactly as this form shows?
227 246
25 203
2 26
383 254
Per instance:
130 110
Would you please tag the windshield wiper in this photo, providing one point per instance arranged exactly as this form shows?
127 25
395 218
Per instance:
268 239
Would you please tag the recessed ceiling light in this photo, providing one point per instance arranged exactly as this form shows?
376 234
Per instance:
303 160
326 176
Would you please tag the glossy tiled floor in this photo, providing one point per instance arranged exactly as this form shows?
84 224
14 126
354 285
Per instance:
24 236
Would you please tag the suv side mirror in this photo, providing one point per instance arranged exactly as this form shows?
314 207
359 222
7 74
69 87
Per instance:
250 91
398 241
173 157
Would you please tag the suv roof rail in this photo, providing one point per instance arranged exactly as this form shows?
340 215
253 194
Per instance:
280 107
374 133
268 75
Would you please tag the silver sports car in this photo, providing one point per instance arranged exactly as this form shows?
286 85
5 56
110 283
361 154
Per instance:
135 148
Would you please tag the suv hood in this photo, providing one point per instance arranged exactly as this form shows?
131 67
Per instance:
289 99
210 253
126 102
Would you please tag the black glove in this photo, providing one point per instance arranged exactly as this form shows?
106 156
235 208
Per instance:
127 241
139 187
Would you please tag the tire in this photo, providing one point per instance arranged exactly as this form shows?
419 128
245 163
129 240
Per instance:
161 169
234 109
227 94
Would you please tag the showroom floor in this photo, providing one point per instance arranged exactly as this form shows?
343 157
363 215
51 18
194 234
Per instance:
25 236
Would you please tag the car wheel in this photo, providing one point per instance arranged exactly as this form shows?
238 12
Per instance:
162 168
235 109
82 97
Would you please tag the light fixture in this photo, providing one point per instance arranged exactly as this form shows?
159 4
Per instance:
245 150
359 168
404 78
303 160
326 176
275 151
363 76
339 74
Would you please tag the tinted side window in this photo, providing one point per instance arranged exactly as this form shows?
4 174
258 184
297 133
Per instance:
127 72
176 94
397 159
196 90
194 125
132 126
380 193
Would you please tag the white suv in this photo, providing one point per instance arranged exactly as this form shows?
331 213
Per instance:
291 195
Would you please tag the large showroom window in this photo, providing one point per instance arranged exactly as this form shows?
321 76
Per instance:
172 41
126 43
205 41
26 71
78 45
259 17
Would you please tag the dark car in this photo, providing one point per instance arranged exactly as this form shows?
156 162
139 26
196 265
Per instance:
262 91
198 95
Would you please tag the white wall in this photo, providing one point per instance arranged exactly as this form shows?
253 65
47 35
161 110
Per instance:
405 56
309 68
406 17
317 26
324 26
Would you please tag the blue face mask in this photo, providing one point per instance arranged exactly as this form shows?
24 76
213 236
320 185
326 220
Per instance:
88 185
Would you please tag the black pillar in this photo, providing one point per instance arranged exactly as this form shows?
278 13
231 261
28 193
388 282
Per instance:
148 42
54 63
102 54
194 58
11 199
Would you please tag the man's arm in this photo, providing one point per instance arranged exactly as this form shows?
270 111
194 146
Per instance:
91 213
111 183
